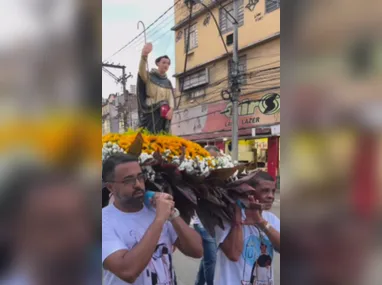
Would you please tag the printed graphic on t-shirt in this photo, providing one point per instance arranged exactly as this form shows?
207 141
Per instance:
160 270
258 256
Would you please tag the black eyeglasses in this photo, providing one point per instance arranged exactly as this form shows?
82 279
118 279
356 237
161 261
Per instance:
132 180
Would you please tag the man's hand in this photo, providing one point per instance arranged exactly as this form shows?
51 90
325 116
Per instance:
169 114
164 206
160 195
253 214
147 49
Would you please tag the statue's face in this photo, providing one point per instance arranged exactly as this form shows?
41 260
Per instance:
163 65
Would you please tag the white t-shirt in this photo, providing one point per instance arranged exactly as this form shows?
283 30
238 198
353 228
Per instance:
124 231
254 267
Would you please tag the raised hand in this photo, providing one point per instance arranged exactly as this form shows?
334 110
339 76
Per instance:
147 49
253 213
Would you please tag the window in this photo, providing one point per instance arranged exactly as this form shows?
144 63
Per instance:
193 38
242 69
197 79
271 5
196 93
226 21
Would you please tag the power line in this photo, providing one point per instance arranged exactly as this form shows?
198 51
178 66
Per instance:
152 33
219 111
263 56
157 28
187 50
217 91
216 23
166 20
153 23
263 79
226 78
224 8
188 39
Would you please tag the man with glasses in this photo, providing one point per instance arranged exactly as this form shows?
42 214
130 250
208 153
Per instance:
136 240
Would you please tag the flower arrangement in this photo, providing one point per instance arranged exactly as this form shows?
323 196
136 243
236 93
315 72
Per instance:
187 155
198 182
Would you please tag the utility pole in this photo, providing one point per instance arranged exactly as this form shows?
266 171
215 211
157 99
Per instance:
235 84
126 98
123 81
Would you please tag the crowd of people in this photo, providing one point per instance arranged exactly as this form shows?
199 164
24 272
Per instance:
140 236
141 232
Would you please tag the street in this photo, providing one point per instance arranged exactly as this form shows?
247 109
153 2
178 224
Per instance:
186 268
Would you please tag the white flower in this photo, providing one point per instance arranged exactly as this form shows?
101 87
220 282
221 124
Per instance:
145 156
110 148
176 160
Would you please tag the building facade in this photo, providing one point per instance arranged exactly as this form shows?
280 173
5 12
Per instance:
119 113
203 114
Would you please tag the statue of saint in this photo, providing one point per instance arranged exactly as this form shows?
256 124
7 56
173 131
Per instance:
155 94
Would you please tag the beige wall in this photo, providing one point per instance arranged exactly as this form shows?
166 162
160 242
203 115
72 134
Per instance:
209 42
261 57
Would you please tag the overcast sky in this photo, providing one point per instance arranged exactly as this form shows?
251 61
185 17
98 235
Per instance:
119 26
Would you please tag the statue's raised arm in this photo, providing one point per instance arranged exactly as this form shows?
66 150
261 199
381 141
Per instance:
155 93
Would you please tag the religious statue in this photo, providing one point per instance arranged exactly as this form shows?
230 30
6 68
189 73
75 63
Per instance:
155 94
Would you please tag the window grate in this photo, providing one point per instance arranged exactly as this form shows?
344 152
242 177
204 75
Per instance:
271 5
226 22
193 38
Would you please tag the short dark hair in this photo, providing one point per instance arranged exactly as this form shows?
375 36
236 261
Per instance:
108 168
160 58
112 162
260 175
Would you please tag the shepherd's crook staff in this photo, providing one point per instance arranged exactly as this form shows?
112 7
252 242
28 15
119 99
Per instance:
147 67
144 34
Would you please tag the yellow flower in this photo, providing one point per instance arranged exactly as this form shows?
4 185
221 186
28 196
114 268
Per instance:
161 142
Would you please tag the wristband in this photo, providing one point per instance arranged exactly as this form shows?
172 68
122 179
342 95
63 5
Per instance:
266 226
174 215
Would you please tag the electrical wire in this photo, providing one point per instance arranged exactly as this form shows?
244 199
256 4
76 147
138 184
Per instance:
219 111
225 79
153 23
162 25
187 50
216 24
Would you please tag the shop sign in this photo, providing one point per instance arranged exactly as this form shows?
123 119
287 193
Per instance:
269 104
218 117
